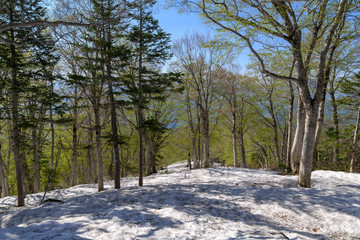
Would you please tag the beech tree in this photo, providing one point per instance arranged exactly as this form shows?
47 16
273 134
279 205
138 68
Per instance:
351 87
201 66
287 23
236 94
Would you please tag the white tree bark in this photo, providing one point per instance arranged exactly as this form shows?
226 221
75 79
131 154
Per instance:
353 155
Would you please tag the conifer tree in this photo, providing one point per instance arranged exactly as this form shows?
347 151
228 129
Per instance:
26 63
103 59
112 51
151 48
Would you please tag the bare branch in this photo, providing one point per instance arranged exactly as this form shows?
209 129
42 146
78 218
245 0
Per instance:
9 26
337 26
42 23
247 40
315 35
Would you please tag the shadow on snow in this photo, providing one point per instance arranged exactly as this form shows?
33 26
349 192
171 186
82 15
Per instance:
134 205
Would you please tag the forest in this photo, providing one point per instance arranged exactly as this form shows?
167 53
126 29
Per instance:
94 90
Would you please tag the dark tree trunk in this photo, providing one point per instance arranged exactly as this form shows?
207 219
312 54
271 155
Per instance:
52 129
141 146
140 116
90 154
100 178
74 149
15 122
154 152
148 167
205 138
37 149
234 138
3 176
36 162
114 128
335 121
242 147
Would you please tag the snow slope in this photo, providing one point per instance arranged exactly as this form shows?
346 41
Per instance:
215 203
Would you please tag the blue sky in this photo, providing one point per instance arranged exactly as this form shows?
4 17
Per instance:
178 24
175 23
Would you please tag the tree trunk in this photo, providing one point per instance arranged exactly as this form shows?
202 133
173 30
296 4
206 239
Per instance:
114 128
52 129
276 135
27 180
123 161
298 139
141 147
147 156
320 121
140 97
89 175
37 149
36 161
75 138
205 138
198 135
90 154
290 129
5 187
153 153
242 147
308 146
353 154
100 177
236 161
74 150
195 158
3 176
15 121
336 122
276 142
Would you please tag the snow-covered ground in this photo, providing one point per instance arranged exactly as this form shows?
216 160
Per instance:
215 203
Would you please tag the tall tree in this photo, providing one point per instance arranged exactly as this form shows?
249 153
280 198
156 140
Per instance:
351 87
202 66
289 23
109 11
234 91
93 83
26 55
151 48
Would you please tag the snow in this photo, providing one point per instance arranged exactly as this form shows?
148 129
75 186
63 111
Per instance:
214 203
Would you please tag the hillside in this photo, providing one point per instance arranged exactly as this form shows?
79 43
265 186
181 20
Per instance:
215 203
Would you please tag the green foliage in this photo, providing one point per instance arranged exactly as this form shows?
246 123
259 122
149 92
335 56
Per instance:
351 88
50 174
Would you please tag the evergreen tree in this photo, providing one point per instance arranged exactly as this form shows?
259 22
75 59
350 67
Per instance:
104 57
112 53
150 48
28 58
